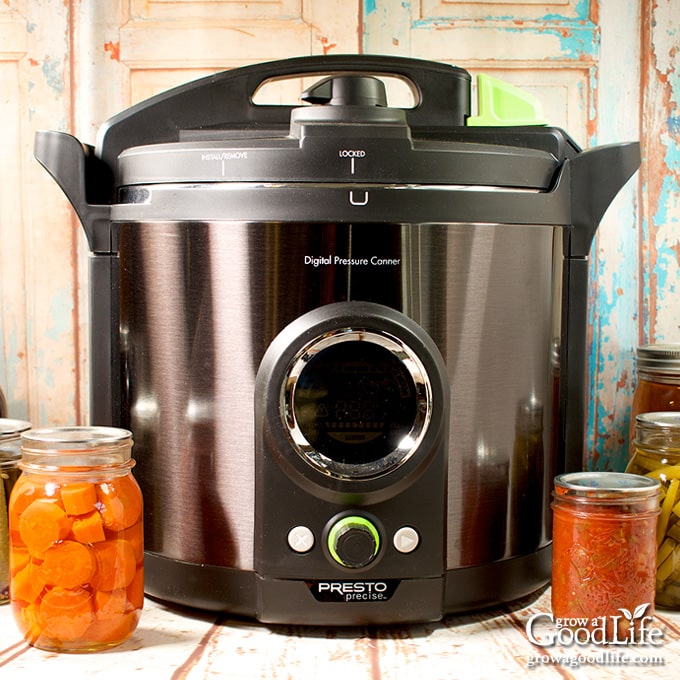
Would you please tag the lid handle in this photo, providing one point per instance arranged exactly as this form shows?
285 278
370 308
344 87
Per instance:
226 99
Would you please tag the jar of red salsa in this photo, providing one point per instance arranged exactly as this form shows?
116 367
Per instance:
604 546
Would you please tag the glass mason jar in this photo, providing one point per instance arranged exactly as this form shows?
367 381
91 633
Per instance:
76 539
10 453
604 547
658 382
657 456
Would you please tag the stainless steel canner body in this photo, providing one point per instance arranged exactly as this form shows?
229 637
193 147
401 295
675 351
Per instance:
349 340
200 304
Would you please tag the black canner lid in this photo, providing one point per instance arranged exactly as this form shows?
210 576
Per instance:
211 131
205 151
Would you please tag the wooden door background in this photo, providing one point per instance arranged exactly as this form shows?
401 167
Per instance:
605 70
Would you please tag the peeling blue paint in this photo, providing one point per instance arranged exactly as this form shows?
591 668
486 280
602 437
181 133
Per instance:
579 38
665 259
646 282
613 320
370 6
672 159
669 188
53 70
580 16
61 309
47 378
581 9
577 41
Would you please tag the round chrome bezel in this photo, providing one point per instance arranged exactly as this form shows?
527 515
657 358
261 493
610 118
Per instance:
409 443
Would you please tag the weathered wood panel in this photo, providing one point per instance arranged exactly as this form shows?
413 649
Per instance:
40 358
614 270
660 259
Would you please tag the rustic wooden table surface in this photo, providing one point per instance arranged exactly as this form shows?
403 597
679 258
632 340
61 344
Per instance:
492 644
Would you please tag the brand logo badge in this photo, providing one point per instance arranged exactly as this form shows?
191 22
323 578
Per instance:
353 591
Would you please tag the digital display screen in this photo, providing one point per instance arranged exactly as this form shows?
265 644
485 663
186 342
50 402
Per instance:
354 402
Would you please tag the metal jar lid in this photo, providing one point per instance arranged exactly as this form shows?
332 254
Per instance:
658 432
11 428
662 359
10 433
660 420
76 447
602 486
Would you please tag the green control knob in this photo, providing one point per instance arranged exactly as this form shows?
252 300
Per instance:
353 541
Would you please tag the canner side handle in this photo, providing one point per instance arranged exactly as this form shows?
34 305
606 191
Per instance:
596 176
87 183
83 178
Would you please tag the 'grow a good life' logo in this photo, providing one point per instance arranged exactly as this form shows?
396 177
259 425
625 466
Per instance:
626 629
625 639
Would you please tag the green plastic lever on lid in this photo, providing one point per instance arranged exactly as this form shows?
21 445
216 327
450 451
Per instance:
502 104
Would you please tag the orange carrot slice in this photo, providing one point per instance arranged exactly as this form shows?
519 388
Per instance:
110 604
23 494
113 631
135 591
135 534
78 498
67 613
120 503
18 558
88 528
116 565
42 524
26 584
68 564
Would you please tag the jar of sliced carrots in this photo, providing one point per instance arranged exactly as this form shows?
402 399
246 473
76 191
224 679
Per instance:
76 539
